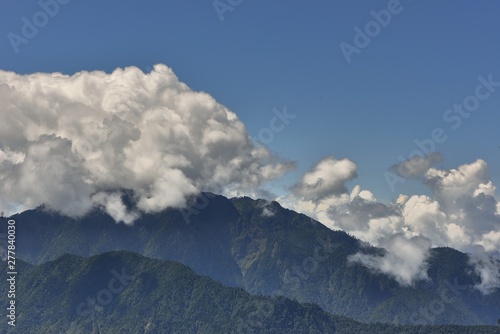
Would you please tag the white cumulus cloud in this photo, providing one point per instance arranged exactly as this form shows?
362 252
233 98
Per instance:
462 213
66 138
327 177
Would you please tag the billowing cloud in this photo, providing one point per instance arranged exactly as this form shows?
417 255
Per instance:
48 169
463 213
67 138
326 178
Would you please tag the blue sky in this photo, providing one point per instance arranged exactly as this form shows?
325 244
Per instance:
267 55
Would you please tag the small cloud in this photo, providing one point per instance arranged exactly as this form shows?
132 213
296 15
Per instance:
327 178
488 270
490 241
405 259
114 206
266 212
417 166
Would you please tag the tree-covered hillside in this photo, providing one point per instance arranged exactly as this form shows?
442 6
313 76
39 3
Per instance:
122 292
278 253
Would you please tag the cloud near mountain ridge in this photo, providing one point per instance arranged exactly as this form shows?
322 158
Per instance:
463 213
67 140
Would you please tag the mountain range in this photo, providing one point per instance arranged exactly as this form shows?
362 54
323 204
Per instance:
248 245
123 292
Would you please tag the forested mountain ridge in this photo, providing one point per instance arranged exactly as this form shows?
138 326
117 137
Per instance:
278 253
123 292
